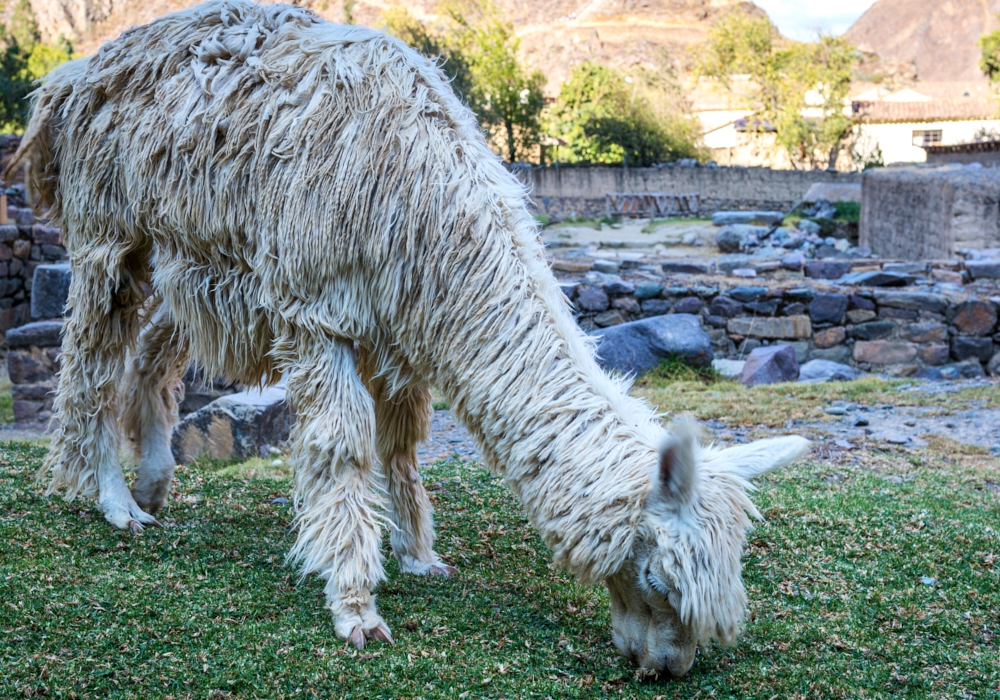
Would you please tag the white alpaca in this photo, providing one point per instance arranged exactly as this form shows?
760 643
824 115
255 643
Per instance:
262 190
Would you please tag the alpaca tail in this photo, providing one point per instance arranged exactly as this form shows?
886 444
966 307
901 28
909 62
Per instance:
36 153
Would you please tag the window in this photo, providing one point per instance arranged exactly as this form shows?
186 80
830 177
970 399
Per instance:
927 138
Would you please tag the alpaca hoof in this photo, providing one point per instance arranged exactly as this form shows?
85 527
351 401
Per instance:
125 514
382 633
357 638
441 570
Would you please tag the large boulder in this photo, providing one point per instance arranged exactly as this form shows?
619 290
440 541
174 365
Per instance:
770 365
238 426
639 346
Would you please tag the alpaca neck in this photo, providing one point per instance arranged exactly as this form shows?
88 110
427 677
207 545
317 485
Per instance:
573 446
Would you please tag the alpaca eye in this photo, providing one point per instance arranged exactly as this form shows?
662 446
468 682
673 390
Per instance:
655 585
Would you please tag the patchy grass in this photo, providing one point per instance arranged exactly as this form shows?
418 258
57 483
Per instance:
774 405
673 221
6 401
205 608
584 222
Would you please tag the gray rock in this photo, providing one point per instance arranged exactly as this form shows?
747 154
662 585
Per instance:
606 266
725 306
639 346
655 307
993 366
827 269
838 353
747 294
801 350
688 305
762 308
983 269
728 263
827 371
648 290
873 330
929 332
43 334
809 227
794 261
730 369
877 278
905 268
768 218
970 369
685 267
238 426
590 299
612 317
733 238
770 365
914 301
50 290
789 327
568 290
964 348
619 287
828 308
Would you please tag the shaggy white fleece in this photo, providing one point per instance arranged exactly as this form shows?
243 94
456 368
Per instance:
287 188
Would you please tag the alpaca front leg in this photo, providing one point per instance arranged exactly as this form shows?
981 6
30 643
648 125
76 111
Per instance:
402 420
153 382
83 455
338 510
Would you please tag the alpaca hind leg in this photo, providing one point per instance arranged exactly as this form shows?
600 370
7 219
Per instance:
105 296
402 421
153 385
338 509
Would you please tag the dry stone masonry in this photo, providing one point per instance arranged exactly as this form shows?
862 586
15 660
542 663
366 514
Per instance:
918 328
931 213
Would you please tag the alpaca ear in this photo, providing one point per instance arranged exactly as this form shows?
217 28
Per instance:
679 461
761 456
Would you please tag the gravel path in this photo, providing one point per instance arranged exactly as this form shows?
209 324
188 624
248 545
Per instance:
856 423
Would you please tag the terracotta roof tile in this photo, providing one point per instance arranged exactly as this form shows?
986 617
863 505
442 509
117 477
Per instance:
933 110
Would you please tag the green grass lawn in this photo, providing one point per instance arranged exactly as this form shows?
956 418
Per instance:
205 608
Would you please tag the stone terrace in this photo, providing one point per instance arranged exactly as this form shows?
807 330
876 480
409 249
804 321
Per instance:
919 326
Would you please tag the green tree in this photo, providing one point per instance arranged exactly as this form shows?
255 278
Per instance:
989 63
23 60
507 100
479 55
797 88
603 116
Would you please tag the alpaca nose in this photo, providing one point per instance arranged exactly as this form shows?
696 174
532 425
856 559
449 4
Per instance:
679 667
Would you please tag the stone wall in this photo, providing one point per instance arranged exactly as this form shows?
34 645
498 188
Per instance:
925 213
899 331
25 243
565 191
23 247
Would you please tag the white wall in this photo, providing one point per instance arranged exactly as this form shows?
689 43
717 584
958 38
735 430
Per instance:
896 140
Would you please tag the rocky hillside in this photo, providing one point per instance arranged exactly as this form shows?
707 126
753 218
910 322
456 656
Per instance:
932 40
556 34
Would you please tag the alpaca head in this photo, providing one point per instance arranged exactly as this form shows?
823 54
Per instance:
682 585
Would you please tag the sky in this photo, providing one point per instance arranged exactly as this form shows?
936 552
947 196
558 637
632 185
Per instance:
799 19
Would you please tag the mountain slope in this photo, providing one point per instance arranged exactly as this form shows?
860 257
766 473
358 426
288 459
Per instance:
555 34
938 37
